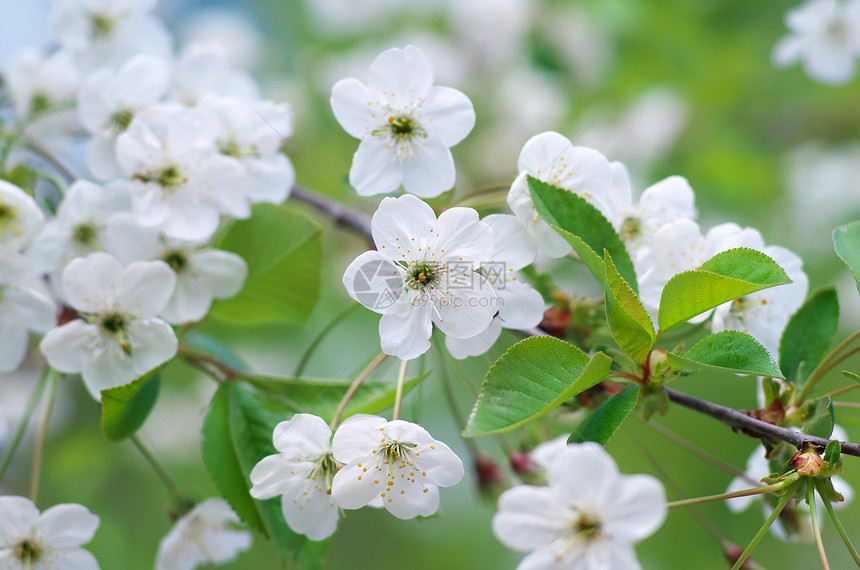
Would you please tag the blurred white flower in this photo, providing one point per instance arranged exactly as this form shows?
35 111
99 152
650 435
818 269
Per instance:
53 539
202 274
677 246
424 271
180 183
520 306
405 123
589 516
117 338
109 32
396 460
24 308
552 158
765 313
252 133
20 218
825 37
210 533
38 82
301 473
204 70
110 99
230 30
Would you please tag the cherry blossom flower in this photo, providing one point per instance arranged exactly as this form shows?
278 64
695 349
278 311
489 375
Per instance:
180 183
520 306
589 516
53 539
301 473
405 123
677 246
208 534
252 133
20 217
396 460
824 37
109 32
424 272
202 274
38 82
117 338
110 99
24 308
552 158
204 70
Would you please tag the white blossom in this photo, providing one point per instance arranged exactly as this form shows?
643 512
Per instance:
24 308
405 123
117 338
210 533
204 70
424 272
396 460
180 183
301 473
52 539
110 99
38 82
552 158
825 37
589 516
20 217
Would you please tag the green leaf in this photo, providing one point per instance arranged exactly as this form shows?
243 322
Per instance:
726 276
584 227
533 377
237 434
833 452
601 424
628 320
125 408
322 397
846 242
818 417
808 335
733 351
851 376
283 251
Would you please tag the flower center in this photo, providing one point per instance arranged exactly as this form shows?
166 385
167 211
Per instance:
168 178
326 469
6 213
176 259
630 228
402 126
586 527
101 26
120 120
230 148
837 31
84 234
422 275
28 551
39 103
116 324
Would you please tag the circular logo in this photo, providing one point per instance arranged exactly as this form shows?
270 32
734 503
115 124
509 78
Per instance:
378 284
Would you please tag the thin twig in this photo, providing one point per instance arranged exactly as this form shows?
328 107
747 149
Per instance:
25 421
339 214
398 398
40 437
752 426
159 469
364 375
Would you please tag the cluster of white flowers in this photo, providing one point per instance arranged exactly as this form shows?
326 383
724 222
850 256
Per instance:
369 461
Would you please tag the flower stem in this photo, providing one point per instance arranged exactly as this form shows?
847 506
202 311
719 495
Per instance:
842 390
25 420
398 398
733 495
761 532
172 488
40 436
374 364
839 528
321 336
825 366
816 528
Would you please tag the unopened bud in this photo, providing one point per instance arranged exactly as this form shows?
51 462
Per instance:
807 462
521 463
733 552
491 478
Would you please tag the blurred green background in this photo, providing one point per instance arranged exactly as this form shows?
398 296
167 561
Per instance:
673 87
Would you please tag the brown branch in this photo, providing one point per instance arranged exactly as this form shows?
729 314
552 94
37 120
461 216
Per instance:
339 214
752 426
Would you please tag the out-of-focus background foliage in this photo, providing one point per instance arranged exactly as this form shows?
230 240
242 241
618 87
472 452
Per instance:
675 87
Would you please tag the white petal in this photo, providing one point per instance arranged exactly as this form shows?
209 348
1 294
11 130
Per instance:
67 347
19 514
465 312
528 517
353 488
306 432
311 510
512 244
375 168
461 348
463 238
68 525
153 342
71 559
406 500
351 105
520 306
276 474
403 75
448 114
13 346
637 509
101 157
397 221
91 284
430 170
356 437
146 287
405 329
